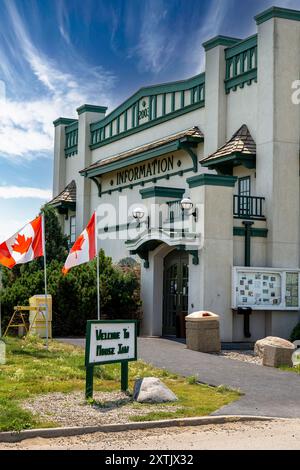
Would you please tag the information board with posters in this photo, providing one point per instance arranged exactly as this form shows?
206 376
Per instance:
265 288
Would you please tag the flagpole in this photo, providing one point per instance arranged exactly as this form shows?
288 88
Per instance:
45 278
0 302
98 276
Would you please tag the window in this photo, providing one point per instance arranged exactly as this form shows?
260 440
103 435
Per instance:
72 229
244 193
245 186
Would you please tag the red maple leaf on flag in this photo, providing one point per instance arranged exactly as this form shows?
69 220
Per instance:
22 244
77 245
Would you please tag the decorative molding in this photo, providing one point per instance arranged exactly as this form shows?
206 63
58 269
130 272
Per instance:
162 191
255 232
91 108
61 121
236 159
219 41
145 125
241 64
277 12
211 180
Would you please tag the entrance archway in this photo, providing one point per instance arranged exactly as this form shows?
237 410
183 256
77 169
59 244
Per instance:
175 293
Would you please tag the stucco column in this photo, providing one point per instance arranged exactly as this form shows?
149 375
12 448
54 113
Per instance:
86 115
215 96
277 166
59 163
210 281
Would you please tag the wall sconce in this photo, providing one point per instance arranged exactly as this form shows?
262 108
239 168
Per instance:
138 213
186 205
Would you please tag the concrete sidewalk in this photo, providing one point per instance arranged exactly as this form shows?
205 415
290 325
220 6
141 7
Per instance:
268 391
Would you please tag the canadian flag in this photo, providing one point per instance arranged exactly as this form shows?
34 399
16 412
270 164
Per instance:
24 245
84 248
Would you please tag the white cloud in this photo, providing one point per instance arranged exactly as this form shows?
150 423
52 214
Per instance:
13 192
26 127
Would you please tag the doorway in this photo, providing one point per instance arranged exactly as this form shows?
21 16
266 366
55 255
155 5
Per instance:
175 297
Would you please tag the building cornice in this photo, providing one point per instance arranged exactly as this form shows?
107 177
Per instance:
277 12
162 191
225 41
207 179
63 121
91 108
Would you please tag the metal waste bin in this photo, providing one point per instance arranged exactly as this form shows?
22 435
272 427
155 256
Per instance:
37 319
203 332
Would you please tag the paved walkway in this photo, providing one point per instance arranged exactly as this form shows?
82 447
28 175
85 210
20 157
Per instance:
268 391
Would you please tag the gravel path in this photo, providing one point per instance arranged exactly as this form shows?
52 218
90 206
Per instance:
72 410
283 434
244 356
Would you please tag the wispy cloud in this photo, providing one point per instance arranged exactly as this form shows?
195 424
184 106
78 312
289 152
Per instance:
26 124
17 192
156 43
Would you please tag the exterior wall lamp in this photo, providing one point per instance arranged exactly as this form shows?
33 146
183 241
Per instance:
138 213
186 205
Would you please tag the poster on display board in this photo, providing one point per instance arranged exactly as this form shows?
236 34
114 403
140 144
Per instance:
265 288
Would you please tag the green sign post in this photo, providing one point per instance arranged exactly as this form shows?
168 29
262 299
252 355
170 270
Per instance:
108 342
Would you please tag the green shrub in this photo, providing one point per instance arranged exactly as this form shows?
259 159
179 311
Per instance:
74 296
295 333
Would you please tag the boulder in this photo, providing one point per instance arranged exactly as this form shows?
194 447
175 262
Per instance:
152 390
275 356
271 341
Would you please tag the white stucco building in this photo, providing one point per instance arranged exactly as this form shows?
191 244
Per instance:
228 139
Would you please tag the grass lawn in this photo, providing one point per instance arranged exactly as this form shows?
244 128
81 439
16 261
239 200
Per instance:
31 369
295 369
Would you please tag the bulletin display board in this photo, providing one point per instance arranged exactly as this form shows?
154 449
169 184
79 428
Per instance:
265 288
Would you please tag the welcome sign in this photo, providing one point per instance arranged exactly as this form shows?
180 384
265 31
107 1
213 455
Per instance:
108 342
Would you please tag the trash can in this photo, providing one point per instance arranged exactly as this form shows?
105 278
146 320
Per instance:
203 332
37 319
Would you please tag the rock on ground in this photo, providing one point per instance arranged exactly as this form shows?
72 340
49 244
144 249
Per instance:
271 341
152 390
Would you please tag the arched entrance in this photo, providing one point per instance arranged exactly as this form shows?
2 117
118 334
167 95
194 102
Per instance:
175 293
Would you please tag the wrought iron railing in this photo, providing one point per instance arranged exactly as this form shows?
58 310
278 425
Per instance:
248 207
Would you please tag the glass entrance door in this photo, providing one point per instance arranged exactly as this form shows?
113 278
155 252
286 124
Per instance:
176 287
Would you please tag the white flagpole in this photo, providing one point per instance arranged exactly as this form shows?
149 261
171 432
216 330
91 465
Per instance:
98 276
45 278
0 301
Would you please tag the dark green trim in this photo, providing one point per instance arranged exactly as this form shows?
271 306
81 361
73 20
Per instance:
180 144
162 191
236 159
255 232
239 80
91 108
151 91
71 127
98 184
248 226
242 46
148 124
277 12
63 121
220 41
211 180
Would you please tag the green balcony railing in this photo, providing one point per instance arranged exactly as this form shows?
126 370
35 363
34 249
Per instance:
241 64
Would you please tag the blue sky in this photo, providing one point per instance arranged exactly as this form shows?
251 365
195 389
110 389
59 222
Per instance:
58 54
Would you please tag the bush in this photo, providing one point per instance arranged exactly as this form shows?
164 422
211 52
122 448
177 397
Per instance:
296 333
74 296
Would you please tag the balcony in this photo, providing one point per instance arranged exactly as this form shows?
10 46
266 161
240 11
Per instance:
248 207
